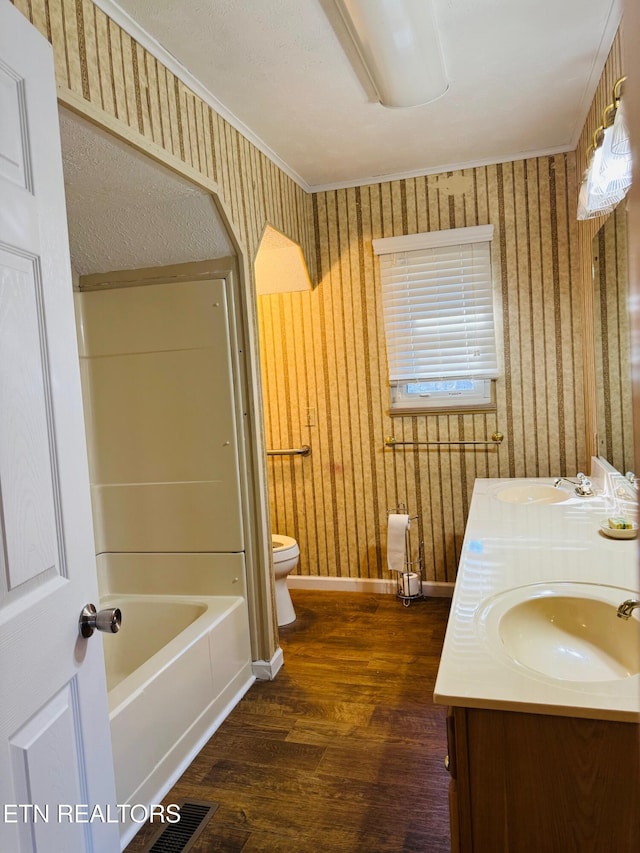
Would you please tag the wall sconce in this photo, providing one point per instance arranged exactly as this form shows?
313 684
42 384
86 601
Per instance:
399 45
607 178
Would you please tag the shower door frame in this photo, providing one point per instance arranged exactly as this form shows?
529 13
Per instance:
265 651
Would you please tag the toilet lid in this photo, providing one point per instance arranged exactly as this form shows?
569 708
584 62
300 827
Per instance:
282 543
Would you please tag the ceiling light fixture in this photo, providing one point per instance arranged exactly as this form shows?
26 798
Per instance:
399 45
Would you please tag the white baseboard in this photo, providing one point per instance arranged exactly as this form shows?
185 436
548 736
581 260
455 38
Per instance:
438 589
266 670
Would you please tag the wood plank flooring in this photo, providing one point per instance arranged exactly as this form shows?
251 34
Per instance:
343 752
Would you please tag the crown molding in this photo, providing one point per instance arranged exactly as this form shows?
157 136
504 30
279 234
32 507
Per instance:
440 169
124 20
149 43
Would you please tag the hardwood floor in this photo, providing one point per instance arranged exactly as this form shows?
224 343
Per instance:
344 750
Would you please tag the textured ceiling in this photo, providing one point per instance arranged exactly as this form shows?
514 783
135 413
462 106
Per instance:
522 74
125 211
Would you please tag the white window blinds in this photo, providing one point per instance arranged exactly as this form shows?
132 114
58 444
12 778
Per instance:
437 300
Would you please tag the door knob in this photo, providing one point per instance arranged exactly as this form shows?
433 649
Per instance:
91 619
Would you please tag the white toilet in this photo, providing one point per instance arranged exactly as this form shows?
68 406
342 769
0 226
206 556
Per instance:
285 558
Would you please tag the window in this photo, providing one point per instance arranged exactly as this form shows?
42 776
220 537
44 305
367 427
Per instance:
437 299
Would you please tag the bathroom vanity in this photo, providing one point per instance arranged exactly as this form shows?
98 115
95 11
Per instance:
540 675
525 782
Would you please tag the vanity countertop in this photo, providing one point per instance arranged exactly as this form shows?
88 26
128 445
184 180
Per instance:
510 545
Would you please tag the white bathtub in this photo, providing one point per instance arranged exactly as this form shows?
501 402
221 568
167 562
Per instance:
176 668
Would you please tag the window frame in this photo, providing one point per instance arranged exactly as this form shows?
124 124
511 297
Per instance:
403 404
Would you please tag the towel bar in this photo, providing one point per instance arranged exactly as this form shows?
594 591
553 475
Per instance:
496 438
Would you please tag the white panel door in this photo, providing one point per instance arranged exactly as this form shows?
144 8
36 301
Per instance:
55 749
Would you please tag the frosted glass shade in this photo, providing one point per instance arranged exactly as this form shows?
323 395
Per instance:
613 173
620 141
399 45
592 203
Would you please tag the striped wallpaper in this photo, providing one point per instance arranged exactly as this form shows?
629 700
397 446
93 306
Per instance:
103 74
322 352
586 232
612 342
100 63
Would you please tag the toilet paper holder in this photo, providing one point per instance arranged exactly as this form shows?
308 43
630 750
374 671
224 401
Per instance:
409 581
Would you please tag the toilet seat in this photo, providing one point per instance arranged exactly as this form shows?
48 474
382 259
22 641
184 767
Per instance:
282 545
285 559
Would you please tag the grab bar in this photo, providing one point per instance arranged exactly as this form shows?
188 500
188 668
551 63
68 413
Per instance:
305 450
496 438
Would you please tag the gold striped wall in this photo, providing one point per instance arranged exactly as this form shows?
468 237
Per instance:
612 348
102 65
102 73
324 350
586 232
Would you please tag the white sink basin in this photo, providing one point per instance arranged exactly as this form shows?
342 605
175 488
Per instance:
534 493
566 631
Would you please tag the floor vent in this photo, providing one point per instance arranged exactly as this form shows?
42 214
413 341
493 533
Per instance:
179 837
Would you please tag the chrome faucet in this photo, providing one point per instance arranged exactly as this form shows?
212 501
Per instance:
583 488
627 607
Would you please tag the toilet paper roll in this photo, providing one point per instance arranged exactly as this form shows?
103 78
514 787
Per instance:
397 527
410 583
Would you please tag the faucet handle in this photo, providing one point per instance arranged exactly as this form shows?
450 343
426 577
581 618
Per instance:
584 487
